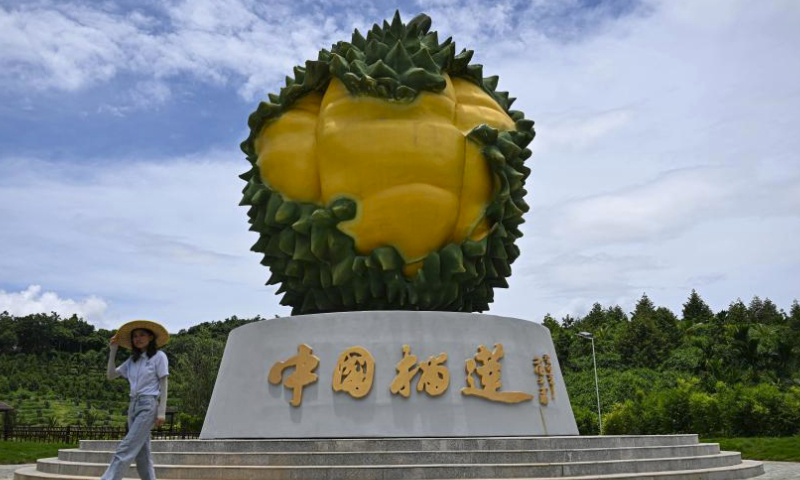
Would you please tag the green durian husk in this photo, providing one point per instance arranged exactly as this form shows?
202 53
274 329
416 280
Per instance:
315 263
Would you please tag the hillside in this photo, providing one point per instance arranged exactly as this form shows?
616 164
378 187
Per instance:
53 370
735 372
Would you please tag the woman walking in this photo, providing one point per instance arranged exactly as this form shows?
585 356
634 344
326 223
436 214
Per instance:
146 370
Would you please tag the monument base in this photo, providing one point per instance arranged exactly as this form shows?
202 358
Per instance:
663 457
389 374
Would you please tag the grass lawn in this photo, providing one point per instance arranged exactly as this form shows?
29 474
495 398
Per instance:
780 449
28 452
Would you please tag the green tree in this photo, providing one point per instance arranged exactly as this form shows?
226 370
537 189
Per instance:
792 343
734 346
8 341
642 343
35 332
794 318
667 324
695 310
560 336
195 373
90 417
594 320
765 312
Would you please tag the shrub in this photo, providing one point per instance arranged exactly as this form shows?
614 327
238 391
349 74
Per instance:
587 420
622 419
705 414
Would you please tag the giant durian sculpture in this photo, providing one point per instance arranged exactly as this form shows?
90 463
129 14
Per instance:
388 174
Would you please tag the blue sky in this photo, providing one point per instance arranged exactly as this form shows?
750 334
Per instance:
666 156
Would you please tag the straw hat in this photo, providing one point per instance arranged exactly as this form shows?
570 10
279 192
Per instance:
124 332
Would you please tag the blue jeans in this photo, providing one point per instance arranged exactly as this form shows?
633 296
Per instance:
136 444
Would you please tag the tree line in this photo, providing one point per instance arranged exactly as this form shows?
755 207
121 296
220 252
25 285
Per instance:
735 372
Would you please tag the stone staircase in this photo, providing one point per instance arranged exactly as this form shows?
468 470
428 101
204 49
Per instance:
607 457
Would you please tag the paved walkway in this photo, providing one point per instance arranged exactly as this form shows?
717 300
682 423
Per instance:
7 471
774 471
780 470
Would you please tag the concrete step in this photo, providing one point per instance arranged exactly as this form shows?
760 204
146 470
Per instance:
408 471
404 457
405 444
745 469
624 457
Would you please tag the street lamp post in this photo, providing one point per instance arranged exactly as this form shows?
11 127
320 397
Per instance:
589 336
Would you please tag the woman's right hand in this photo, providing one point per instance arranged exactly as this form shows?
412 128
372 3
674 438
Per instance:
113 341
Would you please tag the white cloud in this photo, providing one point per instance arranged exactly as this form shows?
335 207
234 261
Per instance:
666 138
568 274
149 94
47 48
160 239
459 19
716 229
666 155
669 205
34 300
581 131
70 46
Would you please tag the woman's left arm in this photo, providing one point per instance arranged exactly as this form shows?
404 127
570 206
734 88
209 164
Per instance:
161 416
111 367
162 370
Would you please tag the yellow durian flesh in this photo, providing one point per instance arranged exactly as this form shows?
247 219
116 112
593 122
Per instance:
417 181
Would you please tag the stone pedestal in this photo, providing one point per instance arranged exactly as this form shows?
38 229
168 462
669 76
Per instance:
246 405
662 457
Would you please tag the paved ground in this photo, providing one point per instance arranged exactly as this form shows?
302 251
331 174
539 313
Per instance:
774 471
781 470
7 471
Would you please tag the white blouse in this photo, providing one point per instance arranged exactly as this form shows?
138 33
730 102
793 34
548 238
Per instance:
144 374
